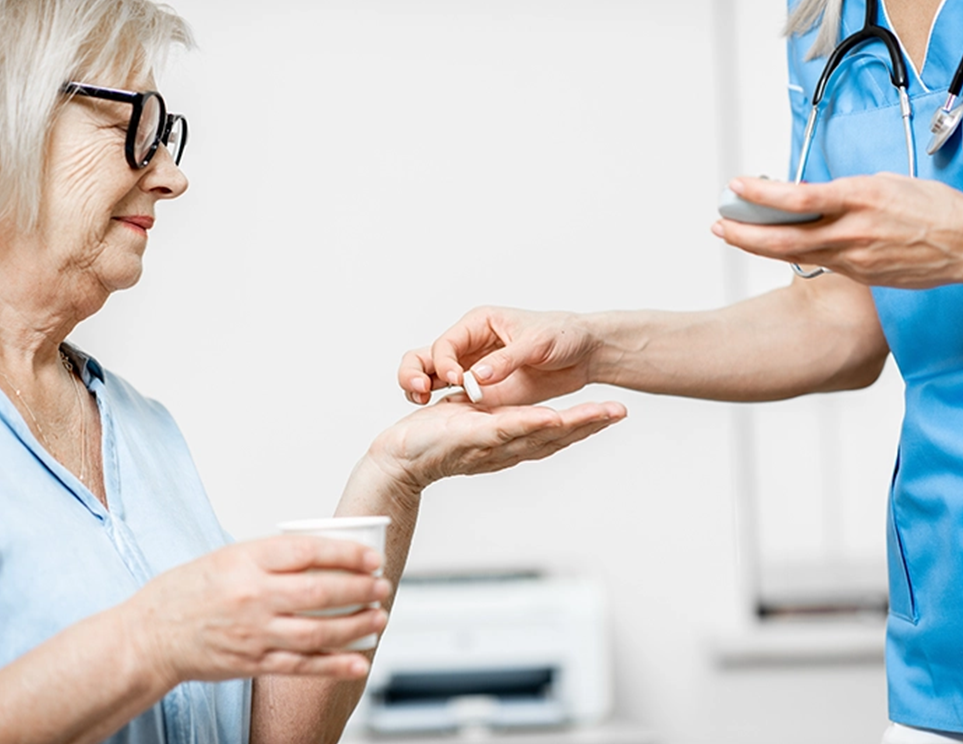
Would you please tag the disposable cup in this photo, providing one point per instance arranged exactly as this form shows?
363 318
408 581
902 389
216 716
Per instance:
369 531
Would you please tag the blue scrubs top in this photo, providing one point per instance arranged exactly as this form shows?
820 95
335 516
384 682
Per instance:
860 132
64 557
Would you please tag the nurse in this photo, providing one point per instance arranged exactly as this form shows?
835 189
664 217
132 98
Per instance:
894 248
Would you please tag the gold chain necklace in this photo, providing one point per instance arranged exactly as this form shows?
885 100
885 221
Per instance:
67 365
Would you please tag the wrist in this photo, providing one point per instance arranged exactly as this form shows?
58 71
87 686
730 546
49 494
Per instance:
380 475
617 338
148 664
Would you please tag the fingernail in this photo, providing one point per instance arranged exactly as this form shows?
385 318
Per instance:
737 186
382 587
359 667
420 385
372 559
452 377
718 230
482 371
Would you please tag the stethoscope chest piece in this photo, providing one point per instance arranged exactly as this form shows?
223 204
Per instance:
945 122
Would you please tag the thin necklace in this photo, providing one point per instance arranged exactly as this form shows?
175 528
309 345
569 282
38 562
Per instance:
67 365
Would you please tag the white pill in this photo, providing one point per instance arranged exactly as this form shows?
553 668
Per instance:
472 387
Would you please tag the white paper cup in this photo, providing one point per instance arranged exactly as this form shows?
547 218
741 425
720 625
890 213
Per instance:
369 531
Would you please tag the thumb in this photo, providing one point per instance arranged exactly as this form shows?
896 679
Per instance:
498 365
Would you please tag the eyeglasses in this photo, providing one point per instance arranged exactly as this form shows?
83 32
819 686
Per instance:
150 125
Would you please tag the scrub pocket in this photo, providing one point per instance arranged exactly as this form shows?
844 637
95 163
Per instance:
901 601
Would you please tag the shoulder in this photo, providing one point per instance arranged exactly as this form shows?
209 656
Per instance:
127 398
127 405
804 71
813 28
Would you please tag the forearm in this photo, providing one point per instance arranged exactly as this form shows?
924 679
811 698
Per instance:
82 685
810 337
308 709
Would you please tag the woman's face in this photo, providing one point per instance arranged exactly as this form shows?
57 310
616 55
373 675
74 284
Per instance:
96 209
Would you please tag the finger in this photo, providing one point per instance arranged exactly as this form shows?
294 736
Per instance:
584 413
321 590
544 424
571 437
782 242
543 444
284 553
473 336
823 198
415 375
578 423
523 420
499 364
333 665
513 422
311 635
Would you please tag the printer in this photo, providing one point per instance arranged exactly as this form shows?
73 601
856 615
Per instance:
506 650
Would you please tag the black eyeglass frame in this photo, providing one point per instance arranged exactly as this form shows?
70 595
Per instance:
165 122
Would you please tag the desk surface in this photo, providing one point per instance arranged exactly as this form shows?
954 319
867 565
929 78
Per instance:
612 733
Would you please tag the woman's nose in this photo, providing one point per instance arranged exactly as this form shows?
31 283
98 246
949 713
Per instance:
162 177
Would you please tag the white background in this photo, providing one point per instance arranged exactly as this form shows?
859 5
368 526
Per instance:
365 171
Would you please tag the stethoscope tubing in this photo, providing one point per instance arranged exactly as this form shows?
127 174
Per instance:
956 85
871 31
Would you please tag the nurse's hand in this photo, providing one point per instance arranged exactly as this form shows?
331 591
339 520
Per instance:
454 437
235 612
882 230
518 356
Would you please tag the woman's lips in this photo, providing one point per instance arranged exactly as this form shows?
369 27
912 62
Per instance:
140 222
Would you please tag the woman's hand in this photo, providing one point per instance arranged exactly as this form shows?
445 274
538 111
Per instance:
455 437
882 230
236 612
518 357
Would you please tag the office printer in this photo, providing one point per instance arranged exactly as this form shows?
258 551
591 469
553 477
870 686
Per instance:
490 650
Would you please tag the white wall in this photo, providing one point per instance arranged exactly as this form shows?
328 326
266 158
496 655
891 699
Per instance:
363 172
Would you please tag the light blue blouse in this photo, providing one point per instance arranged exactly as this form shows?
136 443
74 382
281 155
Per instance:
861 132
64 557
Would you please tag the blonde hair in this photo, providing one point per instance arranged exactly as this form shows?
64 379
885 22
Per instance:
805 16
45 43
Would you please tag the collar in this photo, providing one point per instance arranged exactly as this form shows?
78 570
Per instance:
89 367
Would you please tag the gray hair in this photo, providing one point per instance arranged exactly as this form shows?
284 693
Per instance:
807 14
45 43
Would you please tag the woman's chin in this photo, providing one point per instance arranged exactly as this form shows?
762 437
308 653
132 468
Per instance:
124 275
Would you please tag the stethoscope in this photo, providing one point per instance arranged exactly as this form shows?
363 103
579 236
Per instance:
945 120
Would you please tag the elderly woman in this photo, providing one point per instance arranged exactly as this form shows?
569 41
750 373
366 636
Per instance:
124 614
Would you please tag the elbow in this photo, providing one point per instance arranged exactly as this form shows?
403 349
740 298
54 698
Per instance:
862 374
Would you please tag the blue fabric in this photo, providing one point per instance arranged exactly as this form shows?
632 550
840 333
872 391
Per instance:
64 557
860 132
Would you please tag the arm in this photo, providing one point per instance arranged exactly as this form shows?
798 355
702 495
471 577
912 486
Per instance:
315 709
229 614
40 693
811 336
450 438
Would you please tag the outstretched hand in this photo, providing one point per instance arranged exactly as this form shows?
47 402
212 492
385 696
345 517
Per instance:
455 437
882 230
